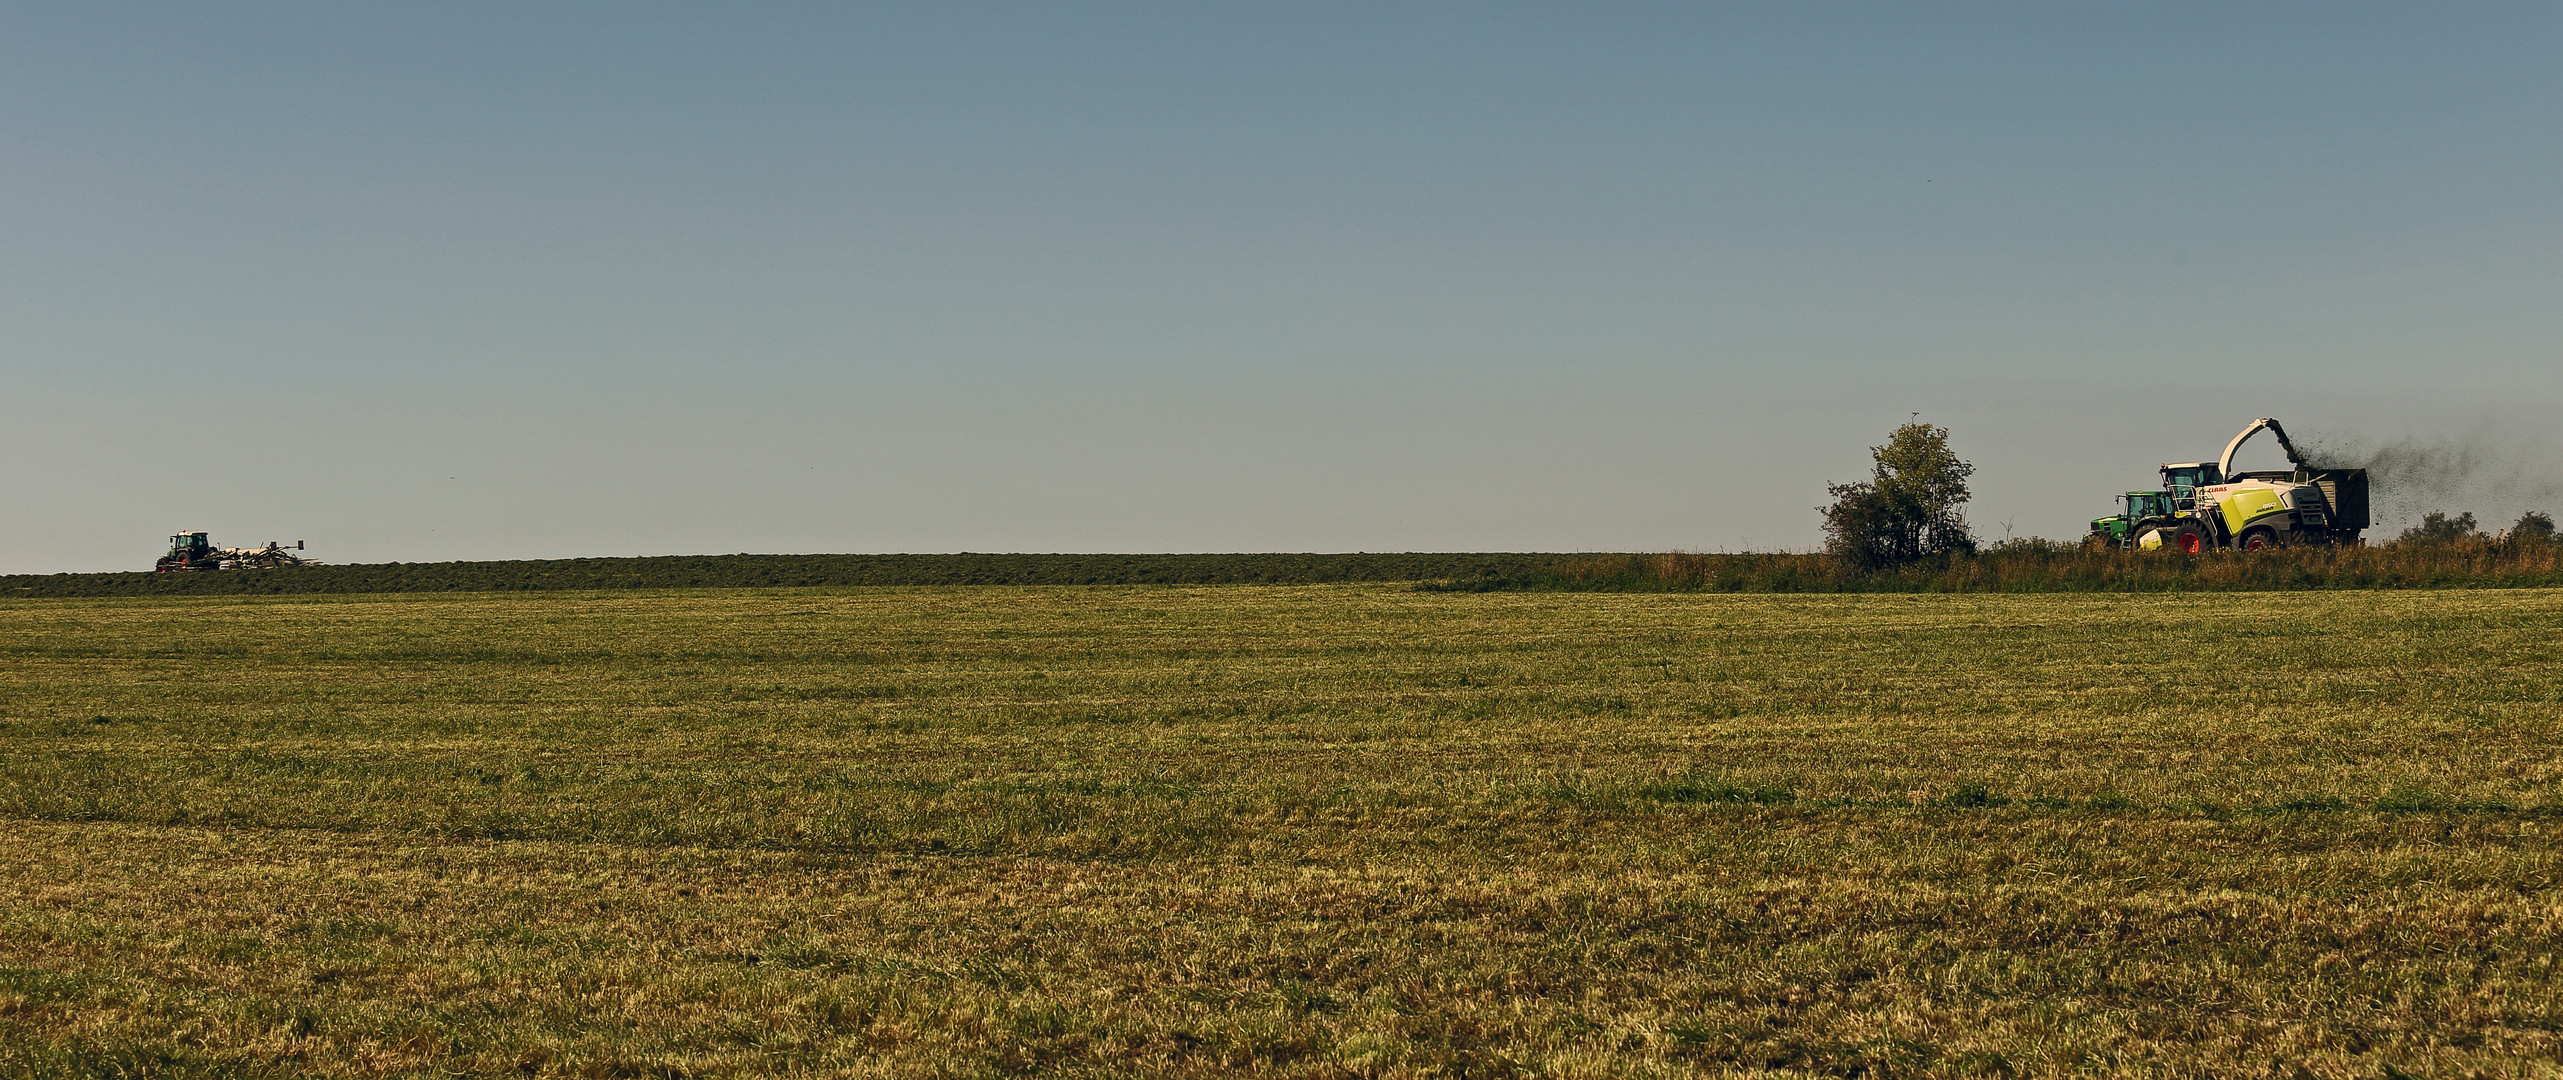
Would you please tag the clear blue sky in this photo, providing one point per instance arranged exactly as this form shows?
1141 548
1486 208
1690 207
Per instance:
460 280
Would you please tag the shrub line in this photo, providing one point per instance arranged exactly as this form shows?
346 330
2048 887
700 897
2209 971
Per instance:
2021 567
2046 567
792 571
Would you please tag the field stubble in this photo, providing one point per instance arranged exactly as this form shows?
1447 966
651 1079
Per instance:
1306 830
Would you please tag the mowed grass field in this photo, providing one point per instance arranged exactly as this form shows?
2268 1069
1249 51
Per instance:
1302 831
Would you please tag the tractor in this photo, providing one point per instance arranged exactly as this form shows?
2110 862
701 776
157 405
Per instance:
192 551
2141 512
2204 505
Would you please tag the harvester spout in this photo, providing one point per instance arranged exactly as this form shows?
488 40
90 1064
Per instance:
2225 465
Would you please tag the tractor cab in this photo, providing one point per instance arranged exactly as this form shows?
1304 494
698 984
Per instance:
2137 509
186 551
2184 479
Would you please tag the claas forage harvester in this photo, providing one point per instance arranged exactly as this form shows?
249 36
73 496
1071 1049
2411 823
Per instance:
2205 505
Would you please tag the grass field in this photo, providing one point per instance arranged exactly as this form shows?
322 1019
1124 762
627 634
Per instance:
1307 831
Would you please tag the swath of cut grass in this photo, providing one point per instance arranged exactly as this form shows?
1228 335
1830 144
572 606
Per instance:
1693 790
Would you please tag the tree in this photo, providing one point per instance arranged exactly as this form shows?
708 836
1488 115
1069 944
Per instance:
2533 527
1911 507
2438 528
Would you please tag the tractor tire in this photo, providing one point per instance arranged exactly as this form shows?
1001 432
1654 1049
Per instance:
2187 539
2261 538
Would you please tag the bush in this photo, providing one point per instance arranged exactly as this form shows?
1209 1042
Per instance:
2438 528
1912 506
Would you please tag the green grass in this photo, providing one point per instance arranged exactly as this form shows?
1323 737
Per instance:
1310 831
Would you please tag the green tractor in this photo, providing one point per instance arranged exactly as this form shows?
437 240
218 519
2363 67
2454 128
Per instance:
2141 514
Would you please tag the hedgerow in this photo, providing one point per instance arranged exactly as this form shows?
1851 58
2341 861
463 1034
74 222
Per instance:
771 571
2031 567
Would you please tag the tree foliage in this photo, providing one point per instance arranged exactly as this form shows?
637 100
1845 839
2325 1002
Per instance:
2533 527
2438 528
1912 506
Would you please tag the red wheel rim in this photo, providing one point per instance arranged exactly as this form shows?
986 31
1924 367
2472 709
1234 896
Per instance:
2189 543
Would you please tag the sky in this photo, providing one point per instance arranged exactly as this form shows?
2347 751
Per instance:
482 281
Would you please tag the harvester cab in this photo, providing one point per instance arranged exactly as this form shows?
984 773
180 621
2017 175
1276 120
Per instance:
2184 479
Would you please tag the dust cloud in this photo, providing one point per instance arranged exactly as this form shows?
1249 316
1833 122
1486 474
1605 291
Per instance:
2495 474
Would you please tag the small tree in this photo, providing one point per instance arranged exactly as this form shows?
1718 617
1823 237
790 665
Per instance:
2438 528
1912 506
2533 527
